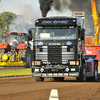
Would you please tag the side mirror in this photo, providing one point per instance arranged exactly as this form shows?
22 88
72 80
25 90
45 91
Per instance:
29 34
79 34
82 31
79 39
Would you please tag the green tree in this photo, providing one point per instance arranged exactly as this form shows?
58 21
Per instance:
6 18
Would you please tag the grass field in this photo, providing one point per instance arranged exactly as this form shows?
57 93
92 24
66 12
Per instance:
22 72
15 72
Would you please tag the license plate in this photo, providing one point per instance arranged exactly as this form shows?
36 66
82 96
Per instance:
37 74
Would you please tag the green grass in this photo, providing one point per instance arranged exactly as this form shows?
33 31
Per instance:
15 72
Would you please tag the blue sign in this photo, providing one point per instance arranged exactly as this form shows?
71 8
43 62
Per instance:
40 43
68 43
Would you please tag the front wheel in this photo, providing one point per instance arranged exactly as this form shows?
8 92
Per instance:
52 79
57 79
95 77
39 79
82 76
28 58
95 73
22 55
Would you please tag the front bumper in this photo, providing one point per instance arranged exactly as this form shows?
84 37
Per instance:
56 71
70 74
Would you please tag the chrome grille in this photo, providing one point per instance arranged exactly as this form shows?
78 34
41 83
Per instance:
55 54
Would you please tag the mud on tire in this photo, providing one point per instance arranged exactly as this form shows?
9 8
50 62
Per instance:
57 79
22 55
25 56
82 77
28 58
39 79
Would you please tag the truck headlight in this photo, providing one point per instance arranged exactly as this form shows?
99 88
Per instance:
73 69
36 70
37 62
72 62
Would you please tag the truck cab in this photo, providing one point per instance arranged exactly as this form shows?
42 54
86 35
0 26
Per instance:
59 48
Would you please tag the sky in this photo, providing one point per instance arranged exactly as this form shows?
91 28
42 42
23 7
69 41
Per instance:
29 9
18 7
15 5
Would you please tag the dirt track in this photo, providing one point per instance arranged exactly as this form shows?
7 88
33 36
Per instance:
25 88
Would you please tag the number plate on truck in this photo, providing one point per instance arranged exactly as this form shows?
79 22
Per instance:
38 74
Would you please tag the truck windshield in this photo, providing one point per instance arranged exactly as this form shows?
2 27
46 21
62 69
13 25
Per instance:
55 32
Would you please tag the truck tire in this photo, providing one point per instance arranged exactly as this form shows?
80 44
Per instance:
25 56
52 79
95 77
82 76
13 57
28 58
22 55
2 51
95 74
59 79
39 79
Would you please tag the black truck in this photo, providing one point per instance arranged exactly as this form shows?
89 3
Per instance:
59 50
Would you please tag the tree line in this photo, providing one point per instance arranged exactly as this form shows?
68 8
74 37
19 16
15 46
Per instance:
6 18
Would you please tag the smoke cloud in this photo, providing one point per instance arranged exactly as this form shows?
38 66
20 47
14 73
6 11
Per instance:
29 13
77 5
67 7
45 6
19 25
26 18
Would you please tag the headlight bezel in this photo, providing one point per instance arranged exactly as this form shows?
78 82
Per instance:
37 63
74 63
